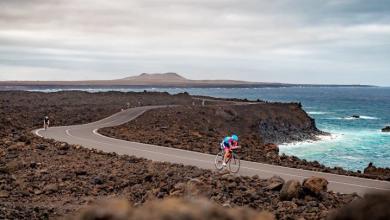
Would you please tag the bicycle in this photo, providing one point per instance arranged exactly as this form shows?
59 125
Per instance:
233 162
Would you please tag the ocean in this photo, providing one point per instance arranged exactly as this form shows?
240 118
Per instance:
353 142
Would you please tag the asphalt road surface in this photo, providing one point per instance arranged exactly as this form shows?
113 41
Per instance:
87 136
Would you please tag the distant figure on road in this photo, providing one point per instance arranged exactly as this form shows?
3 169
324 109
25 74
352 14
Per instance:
128 105
46 122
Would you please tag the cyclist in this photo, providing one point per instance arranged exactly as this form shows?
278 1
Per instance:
229 143
46 122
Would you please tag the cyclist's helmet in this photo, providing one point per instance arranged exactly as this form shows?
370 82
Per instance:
235 137
46 117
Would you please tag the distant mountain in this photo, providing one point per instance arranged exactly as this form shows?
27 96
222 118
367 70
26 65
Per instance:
174 78
156 77
156 80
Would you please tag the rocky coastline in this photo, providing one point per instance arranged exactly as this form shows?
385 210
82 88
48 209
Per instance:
46 179
260 126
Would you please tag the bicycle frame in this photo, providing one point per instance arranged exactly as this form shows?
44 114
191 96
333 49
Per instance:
235 162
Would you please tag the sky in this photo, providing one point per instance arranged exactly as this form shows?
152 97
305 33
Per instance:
289 41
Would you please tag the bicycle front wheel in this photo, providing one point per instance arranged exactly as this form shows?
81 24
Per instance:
219 161
234 163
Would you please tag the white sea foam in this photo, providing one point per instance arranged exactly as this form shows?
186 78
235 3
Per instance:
368 117
361 117
320 139
351 158
318 113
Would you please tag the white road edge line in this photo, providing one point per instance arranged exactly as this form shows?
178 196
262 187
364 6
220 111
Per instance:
37 132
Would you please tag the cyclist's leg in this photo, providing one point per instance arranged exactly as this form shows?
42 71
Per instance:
228 154
225 155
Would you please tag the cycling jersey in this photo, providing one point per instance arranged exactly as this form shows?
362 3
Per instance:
228 142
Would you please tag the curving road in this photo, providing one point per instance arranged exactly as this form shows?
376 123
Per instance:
87 136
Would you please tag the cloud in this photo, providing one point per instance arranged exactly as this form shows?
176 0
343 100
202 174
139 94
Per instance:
277 40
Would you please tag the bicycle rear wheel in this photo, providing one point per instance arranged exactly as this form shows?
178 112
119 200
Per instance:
234 163
219 161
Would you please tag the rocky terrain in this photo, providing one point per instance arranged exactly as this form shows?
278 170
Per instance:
202 128
260 127
24 110
386 129
45 179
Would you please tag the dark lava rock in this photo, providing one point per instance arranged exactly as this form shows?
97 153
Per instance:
275 183
63 146
98 180
4 169
291 189
33 164
41 146
315 185
386 129
355 116
81 172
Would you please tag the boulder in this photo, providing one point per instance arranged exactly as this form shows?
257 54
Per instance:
291 189
315 185
386 129
63 146
275 183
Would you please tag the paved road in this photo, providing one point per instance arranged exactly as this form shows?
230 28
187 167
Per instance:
87 136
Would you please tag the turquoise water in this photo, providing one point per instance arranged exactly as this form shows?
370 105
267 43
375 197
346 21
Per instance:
354 142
